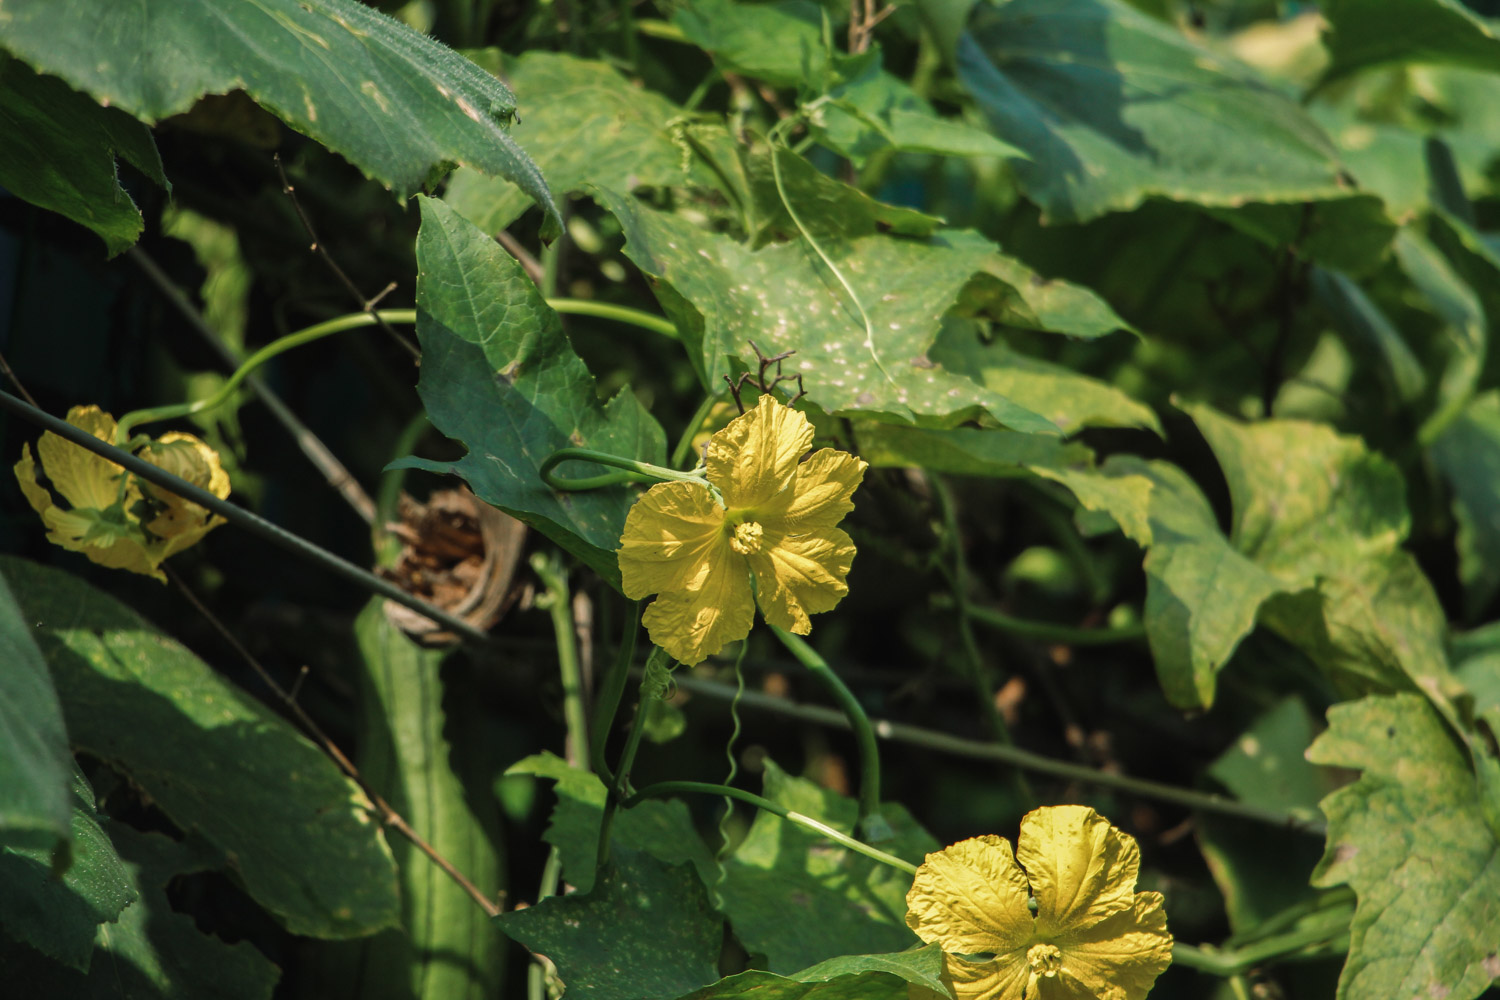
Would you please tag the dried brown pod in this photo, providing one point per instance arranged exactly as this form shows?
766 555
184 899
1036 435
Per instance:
458 553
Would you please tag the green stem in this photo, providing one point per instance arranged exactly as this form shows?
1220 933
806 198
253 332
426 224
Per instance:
620 314
536 975
621 781
1055 632
864 733
254 361
1304 942
634 471
238 516
958 746
612 690
685 443
662 789
388 497
557 601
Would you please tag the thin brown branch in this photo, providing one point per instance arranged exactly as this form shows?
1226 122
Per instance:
529 263
15 381
334 471
365 304
388 816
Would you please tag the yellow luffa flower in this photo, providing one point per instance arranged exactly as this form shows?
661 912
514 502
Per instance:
1093 937
777 524
112 518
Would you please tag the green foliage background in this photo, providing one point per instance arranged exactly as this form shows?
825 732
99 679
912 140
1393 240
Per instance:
1163 326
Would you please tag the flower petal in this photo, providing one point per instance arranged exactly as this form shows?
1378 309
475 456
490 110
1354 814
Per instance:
799 575
1082 870
970 898
755 457
36 494
182 521
672 536
1126 951
694 624
82 477
1003 979
819 495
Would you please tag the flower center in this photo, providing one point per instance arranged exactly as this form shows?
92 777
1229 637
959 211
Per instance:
1045 959
746 538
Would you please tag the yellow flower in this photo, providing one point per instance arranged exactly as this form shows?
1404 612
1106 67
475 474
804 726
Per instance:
1092 935
111 517
777 524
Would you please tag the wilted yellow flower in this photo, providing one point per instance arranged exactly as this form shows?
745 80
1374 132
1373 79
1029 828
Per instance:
777 524
1092 935
113 518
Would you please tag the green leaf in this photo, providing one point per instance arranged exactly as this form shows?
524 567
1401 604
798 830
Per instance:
1410 837
870 110
499 375
1113 107
1262 872
780 43
797 899
1202 596
722 295
662 828
400 106
59 152
1468 455
152 952
446 946
296 832
1365 33
1459 347
55 901
646 929
765 986
1368 327
34 758
921 967
585 124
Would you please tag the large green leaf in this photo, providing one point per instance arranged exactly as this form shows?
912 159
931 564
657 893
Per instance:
1468 455
797 899
1366 33
662 828
34 758
780 43
297 833
446 946
1202 596
151 952
585 124
1410 837
1112 106
397 104
60 916
59 152
724 295
646 929
908 975
499 375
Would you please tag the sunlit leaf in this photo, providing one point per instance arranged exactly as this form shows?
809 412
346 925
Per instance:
1366 33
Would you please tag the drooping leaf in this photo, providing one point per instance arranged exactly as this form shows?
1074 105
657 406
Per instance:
1410 837
446 946
1468 455
499 375
1112 106
920 967
662 828
296 832
646 929
397 104
797 899
1202 596
1363 34
55 899
60 148
585 124
1460 347
34 758
151 952
783 297
1369 328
